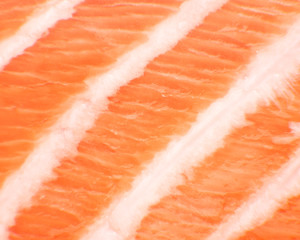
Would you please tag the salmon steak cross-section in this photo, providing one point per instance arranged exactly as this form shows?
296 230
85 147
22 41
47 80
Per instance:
149 119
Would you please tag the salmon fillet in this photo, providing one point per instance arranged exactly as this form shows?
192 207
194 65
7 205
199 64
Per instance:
283 225
15 13
144 155
226 179
35 90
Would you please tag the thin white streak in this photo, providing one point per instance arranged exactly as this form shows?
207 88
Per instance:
265 77
44 18
64 137
262 205
295 128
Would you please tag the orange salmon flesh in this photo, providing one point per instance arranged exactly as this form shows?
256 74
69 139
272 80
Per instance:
150 119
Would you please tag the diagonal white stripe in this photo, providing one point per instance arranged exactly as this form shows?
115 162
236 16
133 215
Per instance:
47 15
70 129
262 205
265 77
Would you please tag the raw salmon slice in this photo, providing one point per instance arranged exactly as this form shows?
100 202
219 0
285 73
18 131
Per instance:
226 179
97 188
24 23
35 90
15 13
283 225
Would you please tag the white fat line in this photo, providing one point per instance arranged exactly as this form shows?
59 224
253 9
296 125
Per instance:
42 19
265 77
261 206
64 137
